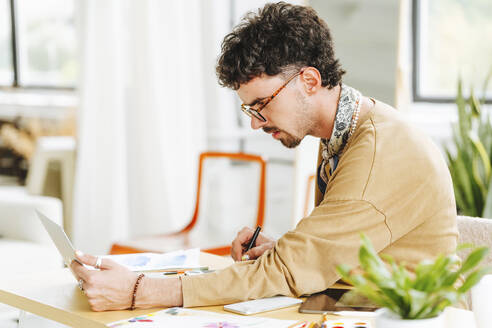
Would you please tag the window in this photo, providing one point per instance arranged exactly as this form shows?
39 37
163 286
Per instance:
451 39
37 44
6 68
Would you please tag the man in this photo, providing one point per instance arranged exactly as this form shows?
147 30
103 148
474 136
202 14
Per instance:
376 175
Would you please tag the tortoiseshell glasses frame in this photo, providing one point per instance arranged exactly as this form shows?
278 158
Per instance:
255 112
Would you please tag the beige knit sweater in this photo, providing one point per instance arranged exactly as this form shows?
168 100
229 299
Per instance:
391 183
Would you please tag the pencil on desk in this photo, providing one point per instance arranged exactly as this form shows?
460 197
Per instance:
304 324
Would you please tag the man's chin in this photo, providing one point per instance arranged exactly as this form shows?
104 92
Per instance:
291 143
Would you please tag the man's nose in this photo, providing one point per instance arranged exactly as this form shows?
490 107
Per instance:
257 123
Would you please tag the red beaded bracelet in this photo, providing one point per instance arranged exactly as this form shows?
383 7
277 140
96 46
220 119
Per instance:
140 276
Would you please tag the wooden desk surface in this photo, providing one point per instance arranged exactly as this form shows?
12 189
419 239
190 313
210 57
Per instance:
56 296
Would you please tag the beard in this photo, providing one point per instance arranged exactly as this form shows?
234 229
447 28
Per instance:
288 140
304 120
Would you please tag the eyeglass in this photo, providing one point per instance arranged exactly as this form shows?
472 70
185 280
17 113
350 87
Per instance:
255 112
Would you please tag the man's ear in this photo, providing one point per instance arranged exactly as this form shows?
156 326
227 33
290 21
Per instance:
311 79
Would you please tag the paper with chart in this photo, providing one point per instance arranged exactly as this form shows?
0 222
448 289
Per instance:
182 259
179 317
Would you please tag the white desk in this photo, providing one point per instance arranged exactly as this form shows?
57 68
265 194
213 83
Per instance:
54 295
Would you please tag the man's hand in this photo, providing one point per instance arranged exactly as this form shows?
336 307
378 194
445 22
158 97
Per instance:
110 288
240 243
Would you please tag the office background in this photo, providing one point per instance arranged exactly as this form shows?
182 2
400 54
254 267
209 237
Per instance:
132 85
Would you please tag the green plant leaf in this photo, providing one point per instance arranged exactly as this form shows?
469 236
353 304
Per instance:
463 246
418 301
474 104
463 118
428 279
476 177
473 259
424 294
464 181
478 146
473 278
439 301
470 160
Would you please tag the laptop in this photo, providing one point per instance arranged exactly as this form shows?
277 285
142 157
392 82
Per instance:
140 262
60 239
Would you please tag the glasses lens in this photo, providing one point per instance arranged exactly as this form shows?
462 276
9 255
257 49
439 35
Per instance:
258 116
246 111
252 113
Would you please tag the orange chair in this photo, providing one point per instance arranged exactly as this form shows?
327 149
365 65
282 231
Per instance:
181 239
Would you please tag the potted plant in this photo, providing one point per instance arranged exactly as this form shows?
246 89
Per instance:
470 156
413 299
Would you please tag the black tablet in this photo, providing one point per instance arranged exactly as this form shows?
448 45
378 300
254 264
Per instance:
333 300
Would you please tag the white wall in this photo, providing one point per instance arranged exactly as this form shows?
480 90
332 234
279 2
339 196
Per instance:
365 35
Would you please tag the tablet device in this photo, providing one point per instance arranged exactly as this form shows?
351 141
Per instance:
262 305
60 239
333 300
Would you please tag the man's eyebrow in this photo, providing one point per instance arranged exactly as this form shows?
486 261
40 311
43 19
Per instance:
256 101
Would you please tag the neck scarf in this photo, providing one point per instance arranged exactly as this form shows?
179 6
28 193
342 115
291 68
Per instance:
345 122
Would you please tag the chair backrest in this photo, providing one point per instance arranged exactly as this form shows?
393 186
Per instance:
41 180
237 157
477 231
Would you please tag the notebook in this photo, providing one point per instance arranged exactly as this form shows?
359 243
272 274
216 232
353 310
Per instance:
262 305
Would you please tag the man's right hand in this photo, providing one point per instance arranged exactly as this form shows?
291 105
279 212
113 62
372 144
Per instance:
240 243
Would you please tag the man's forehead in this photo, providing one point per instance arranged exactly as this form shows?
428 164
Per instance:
258 87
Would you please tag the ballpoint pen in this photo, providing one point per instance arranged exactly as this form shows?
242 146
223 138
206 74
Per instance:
252 242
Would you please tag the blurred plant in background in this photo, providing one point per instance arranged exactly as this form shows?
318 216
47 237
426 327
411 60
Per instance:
470 156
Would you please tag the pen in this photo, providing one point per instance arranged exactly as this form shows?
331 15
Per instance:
304 324
252 242
167 273
204 269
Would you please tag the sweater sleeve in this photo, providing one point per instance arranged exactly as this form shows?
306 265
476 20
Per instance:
303 261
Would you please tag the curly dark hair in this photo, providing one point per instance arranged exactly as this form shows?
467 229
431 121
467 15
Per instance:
280 37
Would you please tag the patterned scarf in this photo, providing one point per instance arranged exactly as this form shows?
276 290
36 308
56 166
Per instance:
331 149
